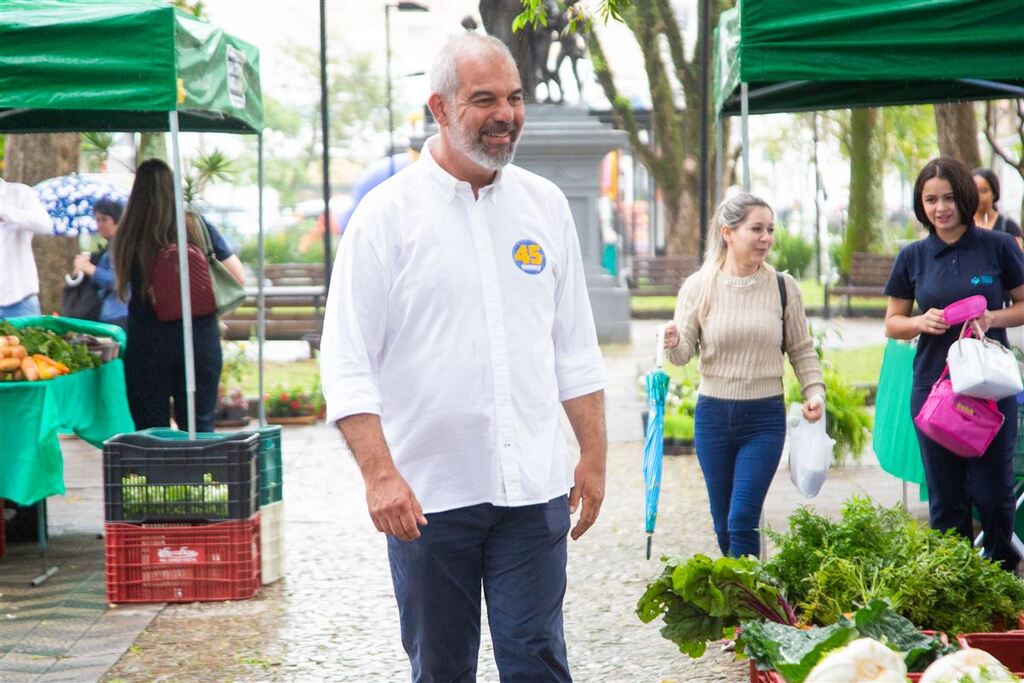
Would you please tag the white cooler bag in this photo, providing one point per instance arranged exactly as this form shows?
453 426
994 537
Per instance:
982 367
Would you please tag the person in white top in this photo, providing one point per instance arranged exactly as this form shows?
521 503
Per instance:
21 216
457 322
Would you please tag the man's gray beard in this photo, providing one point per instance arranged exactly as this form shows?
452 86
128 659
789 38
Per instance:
478 151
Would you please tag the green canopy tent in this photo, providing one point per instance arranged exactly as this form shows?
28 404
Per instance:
805 55
131 65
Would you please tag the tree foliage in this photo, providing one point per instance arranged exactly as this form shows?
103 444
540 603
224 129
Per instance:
671 68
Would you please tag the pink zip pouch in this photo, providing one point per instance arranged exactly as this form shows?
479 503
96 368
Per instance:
963 310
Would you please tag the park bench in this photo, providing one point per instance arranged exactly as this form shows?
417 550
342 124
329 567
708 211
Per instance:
660 275
867 278
294 294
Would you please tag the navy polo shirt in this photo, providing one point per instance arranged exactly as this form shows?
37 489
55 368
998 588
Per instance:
935 274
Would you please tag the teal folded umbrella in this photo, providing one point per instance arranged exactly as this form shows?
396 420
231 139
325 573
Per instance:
654 443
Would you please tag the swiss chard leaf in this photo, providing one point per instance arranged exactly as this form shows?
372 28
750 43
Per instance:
792 652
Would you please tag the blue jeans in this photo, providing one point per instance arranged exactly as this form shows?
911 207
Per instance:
518 556
739 444
19 309
955 484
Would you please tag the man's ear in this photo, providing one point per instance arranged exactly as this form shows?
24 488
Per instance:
438 108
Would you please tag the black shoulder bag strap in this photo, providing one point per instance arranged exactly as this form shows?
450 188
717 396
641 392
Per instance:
782 296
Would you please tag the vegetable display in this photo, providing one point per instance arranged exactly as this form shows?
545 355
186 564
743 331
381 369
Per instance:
141 499
937 581
794 652
34 353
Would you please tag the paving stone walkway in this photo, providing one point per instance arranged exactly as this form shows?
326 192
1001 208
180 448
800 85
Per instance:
333 616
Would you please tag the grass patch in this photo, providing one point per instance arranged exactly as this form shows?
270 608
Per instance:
812 291
298 374
857 366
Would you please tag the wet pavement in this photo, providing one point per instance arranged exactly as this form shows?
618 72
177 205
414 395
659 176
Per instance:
333 617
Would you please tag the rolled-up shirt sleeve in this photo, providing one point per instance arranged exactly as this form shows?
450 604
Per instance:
579 366
354 326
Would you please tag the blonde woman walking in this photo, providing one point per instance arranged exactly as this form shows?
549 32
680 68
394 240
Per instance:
731 313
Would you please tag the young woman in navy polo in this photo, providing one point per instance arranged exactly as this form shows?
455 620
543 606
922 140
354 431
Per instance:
956 260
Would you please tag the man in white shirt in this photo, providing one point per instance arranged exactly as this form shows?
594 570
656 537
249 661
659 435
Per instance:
21 215
457 321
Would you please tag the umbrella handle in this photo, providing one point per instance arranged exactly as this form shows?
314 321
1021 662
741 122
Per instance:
74 280
661 347
650 538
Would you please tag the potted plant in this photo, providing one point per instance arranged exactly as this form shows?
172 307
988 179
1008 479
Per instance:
232 406
296 406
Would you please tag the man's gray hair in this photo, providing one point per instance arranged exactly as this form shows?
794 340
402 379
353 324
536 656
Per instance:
444 74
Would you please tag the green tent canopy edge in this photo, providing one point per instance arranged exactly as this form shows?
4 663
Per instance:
122 65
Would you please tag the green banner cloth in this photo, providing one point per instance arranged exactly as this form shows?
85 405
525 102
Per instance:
120 65
91 403
803 55
895 439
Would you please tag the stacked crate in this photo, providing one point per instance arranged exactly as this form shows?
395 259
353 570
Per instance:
182 517
271 504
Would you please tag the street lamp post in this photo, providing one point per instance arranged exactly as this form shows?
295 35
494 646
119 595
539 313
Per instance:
401 7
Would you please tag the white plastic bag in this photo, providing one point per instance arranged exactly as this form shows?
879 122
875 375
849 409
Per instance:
810 452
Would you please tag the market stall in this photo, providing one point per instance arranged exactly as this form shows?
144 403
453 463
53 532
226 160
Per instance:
131 65
772 57
89 402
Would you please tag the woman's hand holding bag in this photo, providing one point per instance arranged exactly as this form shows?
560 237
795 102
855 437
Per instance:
810 452
982 367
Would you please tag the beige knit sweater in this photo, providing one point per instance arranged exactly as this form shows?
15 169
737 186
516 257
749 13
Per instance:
740 340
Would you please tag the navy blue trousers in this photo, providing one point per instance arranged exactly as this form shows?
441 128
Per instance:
739 444
518 556
955 484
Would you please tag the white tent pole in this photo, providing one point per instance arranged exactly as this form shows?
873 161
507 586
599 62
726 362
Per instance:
261 309
186 290
744 112
719 153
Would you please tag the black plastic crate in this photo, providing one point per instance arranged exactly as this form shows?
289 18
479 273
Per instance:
151 479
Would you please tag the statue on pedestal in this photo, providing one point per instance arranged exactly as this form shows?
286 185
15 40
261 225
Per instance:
532 47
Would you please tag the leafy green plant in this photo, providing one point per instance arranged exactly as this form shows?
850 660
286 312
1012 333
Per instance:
791 253
936 580
847 418
701 599
213 165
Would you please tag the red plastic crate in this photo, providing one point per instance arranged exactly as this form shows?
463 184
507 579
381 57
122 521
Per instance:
1006 646
182 562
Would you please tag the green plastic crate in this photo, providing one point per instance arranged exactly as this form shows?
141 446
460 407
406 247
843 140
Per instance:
271 481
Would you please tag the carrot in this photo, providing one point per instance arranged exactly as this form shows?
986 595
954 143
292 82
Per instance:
30 369
18 351
46 360
47 371
12 340
9 364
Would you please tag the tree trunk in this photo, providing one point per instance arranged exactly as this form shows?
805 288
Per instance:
30 159
958 132
867 210
152 146
681 217
497 17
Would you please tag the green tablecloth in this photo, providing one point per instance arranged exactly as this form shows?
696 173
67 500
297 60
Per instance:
895 440
92 403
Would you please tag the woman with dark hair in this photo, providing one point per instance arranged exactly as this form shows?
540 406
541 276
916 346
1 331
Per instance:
956 260
154 358
114 310
987 216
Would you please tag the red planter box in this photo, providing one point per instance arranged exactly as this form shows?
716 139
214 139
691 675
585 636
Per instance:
182 562
1007 647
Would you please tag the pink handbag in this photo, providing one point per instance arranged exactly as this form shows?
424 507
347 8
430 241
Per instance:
965 309
962 424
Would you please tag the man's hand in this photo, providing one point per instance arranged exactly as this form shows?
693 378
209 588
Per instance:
588 488
83 264
393 506
389 498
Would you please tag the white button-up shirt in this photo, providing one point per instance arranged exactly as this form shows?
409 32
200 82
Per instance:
463 323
